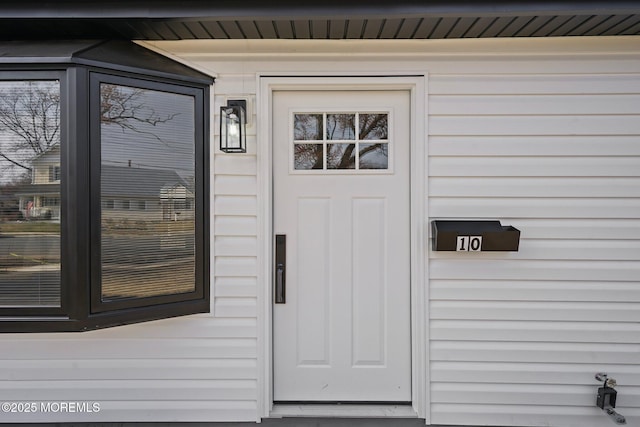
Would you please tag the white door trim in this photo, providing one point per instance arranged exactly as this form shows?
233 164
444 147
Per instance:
416 84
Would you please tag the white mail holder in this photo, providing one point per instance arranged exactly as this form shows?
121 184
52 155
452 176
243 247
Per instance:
474 236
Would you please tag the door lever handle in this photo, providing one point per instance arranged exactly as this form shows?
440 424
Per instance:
280 298
281 260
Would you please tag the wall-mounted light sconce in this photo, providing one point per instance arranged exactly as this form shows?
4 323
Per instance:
233 125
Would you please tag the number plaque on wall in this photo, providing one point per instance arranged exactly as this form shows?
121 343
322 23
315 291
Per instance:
474 236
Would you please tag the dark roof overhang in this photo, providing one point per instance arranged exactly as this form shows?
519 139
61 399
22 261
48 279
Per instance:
315 19
118 55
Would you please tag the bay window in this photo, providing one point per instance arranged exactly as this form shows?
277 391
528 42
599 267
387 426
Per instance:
103 189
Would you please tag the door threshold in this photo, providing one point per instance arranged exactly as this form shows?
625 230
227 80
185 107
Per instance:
343 410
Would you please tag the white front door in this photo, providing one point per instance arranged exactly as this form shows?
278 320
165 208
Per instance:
341 198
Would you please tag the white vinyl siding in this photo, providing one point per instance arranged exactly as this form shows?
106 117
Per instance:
516 338
195 368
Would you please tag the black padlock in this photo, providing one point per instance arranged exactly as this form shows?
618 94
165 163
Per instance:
606 397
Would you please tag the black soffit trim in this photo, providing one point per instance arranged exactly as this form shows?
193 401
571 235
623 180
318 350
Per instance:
290 9
426 27
314 19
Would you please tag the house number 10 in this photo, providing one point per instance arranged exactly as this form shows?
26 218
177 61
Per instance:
469 243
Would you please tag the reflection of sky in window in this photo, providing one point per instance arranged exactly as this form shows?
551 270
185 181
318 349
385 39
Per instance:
374 156
341 126
167 144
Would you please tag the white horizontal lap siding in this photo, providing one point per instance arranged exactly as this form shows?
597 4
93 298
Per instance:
517 337
193 368
235 242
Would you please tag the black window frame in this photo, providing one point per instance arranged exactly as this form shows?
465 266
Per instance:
79 202
97 305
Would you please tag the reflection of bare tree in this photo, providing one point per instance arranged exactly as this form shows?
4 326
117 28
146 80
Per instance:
341 156
308 127
340 130
308 156
125 107
340 126
377 161
372 126
30 112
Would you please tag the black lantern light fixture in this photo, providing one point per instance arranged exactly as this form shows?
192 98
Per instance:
233 124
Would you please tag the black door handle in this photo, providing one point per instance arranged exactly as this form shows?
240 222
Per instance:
281 269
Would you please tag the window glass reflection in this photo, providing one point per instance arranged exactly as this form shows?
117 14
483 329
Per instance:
374 156
307 156
341 126
307 127
374 126
147 190
341 156
345 145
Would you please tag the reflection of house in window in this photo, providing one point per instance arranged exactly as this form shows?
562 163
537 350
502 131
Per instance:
54 173
139 205
176 201
145 194
40 200
148 194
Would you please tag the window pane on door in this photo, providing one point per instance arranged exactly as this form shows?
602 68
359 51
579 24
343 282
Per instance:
374 156
341 126
341 156
307 127
307 156
29 194
374 126
353 142
148 168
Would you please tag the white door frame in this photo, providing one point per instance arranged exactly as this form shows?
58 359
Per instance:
416 84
